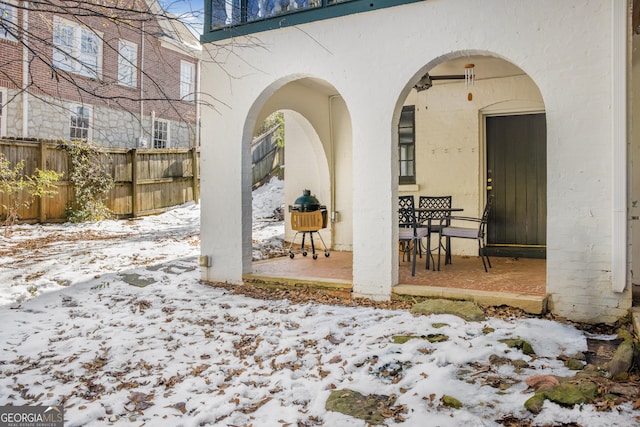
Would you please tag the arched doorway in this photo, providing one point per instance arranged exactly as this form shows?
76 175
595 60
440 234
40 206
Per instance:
462 132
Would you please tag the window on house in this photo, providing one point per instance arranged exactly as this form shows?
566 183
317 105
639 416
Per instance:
127 63
8 21
76 49
187 80
80 121
407 145
160 133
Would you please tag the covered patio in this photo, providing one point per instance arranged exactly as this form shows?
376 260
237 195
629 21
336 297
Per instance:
346 142
516 282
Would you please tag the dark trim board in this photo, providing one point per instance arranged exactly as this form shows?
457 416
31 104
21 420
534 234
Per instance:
517 251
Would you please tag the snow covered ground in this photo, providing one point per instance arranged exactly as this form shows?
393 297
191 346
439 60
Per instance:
110 320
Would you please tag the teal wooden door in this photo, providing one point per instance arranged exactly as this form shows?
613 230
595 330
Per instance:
517 179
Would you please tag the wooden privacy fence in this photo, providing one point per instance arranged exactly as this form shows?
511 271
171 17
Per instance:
147 181
266 155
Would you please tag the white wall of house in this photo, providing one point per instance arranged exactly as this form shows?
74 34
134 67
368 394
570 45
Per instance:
372 60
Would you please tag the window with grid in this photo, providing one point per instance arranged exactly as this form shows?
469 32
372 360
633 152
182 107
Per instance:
232 12
160 133
187 80
407 145
8 21
127 63
80 122
76 49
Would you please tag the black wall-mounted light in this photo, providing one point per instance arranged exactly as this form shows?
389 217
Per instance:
427 80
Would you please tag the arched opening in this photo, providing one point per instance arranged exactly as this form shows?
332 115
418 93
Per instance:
317 151
476 138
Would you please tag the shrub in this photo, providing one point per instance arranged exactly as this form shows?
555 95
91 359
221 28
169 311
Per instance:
22 189
91 182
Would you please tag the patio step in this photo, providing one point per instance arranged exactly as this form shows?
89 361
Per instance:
533 304
334 286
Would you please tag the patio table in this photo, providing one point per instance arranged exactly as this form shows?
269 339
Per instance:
427 213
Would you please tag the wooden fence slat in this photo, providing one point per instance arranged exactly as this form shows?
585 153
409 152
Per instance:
42 201
134 183
148 181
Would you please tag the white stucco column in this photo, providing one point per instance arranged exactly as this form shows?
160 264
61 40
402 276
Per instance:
375 258
225 188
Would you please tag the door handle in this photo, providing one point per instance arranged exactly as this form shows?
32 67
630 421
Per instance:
489 187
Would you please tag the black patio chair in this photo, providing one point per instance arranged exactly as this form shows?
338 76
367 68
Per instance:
475 231
409 234
431 220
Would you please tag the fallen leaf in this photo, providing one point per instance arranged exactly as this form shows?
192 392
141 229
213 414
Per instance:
180 406
336 359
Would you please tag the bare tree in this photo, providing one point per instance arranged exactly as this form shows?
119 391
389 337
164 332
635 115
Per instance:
119 54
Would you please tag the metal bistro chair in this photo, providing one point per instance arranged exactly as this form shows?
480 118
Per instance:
475 232
432 221
409 234
406 205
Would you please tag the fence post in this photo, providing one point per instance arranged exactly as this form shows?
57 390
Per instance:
134 182
42 202
195 169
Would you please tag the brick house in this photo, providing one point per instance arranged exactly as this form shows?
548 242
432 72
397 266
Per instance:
72 73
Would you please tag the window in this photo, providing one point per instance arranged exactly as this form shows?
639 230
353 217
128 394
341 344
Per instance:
80 122
76 49
232 12
160 133
407 145
3 111
8 22
187 80
127 63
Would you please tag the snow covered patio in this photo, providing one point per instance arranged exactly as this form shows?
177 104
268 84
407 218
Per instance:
516 282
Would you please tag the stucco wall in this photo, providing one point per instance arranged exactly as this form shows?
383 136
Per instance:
372 60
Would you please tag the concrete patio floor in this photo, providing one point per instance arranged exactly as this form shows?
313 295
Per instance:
515 282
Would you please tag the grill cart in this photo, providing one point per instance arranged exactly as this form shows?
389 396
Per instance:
308 216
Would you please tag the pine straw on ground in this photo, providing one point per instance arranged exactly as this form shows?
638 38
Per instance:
302 295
